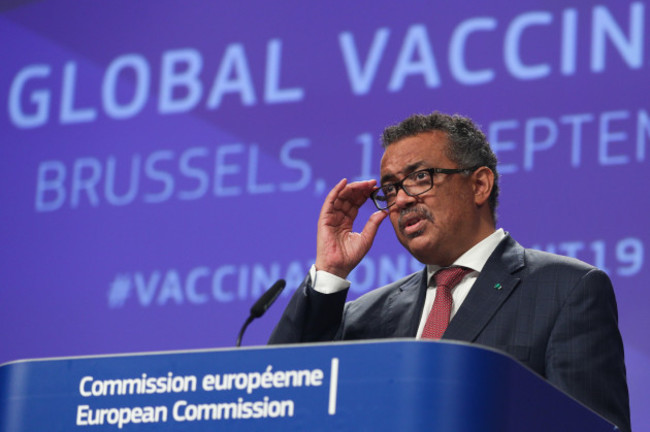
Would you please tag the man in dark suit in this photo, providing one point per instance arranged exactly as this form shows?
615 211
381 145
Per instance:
439 188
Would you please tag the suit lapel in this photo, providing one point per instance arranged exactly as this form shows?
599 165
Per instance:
401 316
493 286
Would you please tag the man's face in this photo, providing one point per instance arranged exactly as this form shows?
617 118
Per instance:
442 223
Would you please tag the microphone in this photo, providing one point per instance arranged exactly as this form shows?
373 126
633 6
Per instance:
261 305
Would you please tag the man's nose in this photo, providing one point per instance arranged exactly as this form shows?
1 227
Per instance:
402 199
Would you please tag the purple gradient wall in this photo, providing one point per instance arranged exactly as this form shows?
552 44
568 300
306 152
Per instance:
163 162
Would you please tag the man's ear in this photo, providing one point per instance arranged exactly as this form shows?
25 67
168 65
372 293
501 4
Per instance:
483 182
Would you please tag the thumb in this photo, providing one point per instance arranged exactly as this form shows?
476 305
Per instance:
371 227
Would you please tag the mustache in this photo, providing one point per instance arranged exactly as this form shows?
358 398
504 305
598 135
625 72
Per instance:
423 212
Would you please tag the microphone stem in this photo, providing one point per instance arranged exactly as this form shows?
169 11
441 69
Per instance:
243 329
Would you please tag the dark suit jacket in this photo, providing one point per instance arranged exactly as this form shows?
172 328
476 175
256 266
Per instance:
556 315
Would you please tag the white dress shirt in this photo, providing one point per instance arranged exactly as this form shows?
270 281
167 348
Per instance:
474 259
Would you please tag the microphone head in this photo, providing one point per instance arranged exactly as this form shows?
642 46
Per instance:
267 299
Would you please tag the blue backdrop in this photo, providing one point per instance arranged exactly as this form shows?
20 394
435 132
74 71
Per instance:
163 162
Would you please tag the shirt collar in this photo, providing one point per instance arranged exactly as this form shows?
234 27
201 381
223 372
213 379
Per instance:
476 257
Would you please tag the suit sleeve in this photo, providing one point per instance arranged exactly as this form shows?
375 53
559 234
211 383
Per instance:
584 355
310 316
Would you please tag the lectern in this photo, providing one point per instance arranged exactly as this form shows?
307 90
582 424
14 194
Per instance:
389 385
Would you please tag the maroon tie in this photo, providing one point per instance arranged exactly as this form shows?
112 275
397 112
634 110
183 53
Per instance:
438 319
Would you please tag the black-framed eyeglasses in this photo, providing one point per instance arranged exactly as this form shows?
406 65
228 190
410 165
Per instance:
416 183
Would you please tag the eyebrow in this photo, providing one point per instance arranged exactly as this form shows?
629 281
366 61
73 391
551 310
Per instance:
407 170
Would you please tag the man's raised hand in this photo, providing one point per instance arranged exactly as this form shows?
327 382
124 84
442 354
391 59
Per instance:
339 249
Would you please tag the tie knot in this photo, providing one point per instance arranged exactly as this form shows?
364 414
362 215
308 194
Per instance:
450 276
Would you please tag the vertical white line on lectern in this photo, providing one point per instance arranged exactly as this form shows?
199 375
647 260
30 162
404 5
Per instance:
334 382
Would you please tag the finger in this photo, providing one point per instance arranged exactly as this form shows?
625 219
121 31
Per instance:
359 187
336 191
345 199
332 196
353 196
371 227
358 192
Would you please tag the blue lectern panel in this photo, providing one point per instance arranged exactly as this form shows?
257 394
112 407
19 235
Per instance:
383 386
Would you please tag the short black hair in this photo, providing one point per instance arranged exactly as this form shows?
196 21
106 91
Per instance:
467 145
